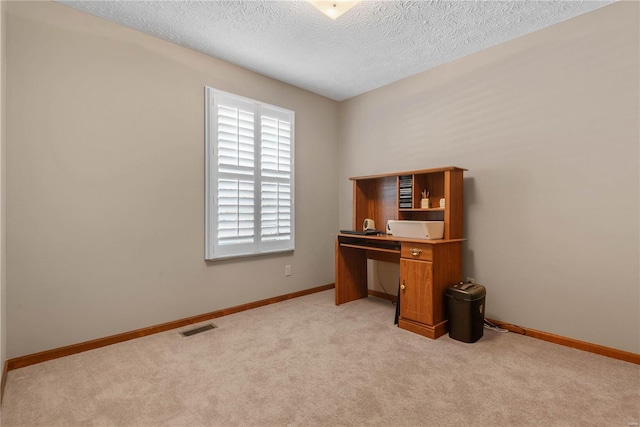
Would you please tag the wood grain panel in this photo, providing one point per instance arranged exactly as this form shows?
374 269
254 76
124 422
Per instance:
425 251
350 274
417 296
433 183
428 331
412 172
359 203
454 204
384 201
376 199
447 271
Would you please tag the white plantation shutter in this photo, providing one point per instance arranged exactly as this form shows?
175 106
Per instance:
249 205
275 172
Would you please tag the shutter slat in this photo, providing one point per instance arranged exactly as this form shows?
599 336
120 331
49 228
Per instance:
235 138
275 208
275 159
235 211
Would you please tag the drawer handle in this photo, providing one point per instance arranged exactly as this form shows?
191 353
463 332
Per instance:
416 251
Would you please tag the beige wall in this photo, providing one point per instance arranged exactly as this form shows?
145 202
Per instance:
105 194
3 234
105 176
548 126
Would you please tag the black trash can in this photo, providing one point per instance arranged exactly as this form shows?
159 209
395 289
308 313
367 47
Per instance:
465 303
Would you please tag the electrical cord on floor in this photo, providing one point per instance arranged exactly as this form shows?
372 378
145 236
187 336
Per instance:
492 327
380 282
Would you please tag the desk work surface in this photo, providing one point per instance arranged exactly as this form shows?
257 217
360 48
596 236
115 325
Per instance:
382 237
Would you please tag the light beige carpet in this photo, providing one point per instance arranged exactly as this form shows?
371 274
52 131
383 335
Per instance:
307 362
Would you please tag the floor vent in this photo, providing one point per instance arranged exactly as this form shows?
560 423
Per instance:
198 330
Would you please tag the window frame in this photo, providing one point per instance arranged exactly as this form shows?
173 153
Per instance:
213 250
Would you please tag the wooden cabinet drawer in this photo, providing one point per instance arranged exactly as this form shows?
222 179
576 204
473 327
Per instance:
417 251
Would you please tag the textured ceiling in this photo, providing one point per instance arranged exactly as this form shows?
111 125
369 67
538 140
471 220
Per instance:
372 45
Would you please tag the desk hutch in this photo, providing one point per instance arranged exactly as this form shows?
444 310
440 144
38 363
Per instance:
427 267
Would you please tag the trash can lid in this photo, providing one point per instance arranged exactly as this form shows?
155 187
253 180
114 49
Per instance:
466 291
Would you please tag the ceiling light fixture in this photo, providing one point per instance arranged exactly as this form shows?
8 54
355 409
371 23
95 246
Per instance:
333 9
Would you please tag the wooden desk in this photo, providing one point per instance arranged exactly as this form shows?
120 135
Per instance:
427 268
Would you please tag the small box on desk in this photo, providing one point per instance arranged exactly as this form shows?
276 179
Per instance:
429 230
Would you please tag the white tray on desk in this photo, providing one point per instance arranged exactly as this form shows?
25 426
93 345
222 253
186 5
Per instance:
428 230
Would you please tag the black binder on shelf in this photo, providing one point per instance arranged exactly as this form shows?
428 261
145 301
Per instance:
406 192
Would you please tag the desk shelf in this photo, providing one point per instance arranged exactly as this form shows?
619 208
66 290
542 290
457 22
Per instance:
384 197
422 210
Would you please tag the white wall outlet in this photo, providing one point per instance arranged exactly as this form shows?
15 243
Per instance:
471 280
287 270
